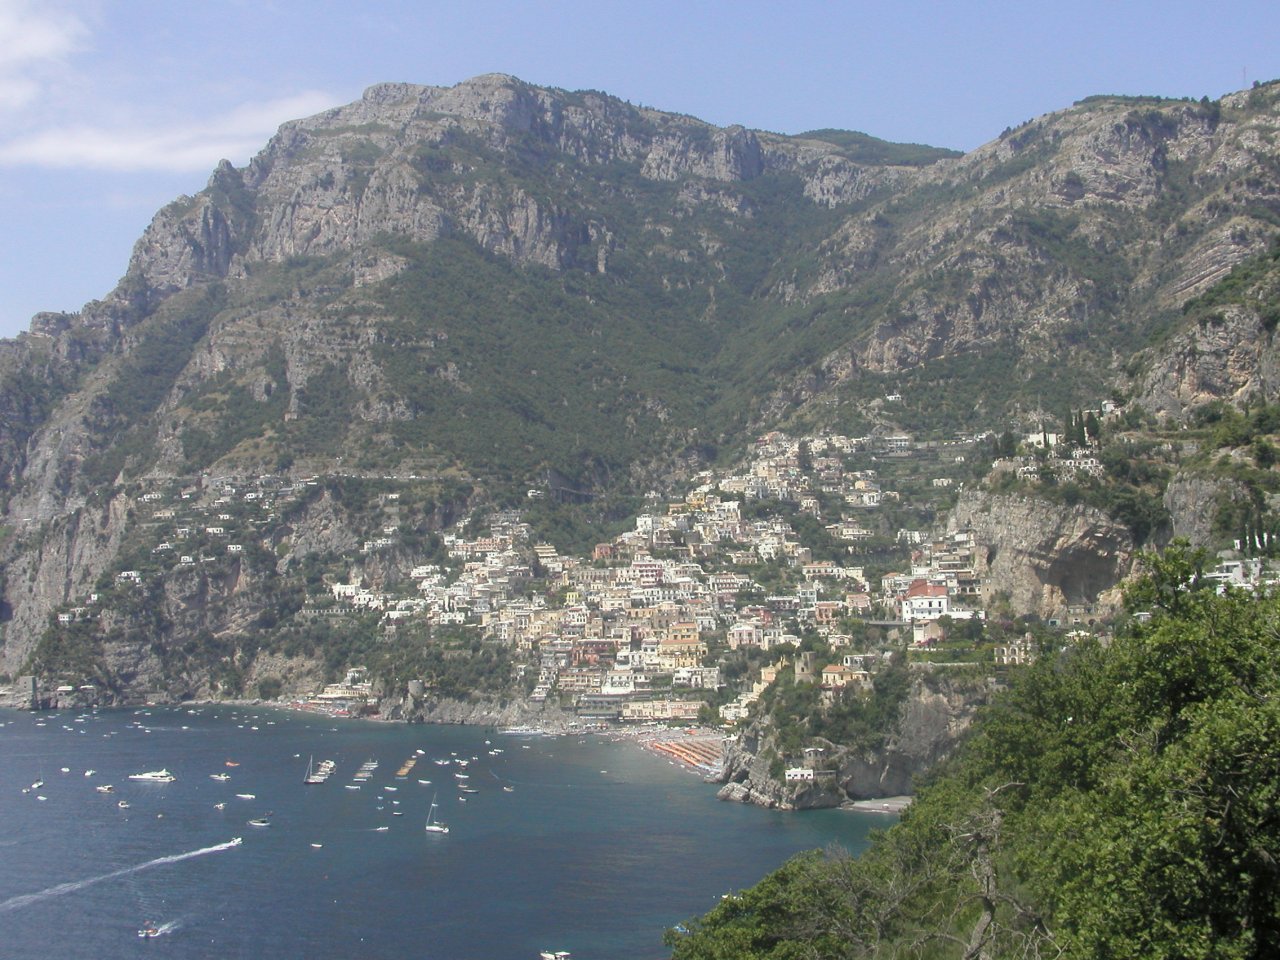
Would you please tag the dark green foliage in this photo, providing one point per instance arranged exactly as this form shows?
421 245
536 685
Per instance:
144 377
863 148
453 662
161 351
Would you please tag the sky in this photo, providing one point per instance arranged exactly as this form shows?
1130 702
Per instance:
109 109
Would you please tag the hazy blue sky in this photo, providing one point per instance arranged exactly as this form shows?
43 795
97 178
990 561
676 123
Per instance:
111 108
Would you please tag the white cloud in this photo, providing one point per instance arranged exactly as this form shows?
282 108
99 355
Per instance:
54 112
37 41
176 148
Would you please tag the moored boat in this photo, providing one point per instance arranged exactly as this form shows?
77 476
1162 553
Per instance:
433 825
154 776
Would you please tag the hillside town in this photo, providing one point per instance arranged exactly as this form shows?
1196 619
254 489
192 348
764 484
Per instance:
637 631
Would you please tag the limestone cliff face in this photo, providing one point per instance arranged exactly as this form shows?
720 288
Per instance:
1046 557
1230 355
930 726
402 161
931 723
48 565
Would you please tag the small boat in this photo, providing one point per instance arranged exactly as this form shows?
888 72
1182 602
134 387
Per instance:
148 930
246 796
381 829
219 776
232 763
352 786
316 846
508 789
153 776
90 773
105 788
236 841
123 804
218 806
259 822
433 825
37 785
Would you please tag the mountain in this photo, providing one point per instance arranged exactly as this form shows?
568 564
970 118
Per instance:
494 288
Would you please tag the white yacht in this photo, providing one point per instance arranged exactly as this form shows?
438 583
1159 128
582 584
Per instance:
433 825
154 776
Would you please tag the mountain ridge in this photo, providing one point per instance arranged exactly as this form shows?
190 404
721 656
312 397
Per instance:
510 288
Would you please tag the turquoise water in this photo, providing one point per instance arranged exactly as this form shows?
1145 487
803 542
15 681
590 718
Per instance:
596 849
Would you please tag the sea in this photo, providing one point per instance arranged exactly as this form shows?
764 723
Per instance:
578 843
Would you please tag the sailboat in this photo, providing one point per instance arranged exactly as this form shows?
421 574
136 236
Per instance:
434 826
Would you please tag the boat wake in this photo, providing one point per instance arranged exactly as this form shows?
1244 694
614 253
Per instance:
160 930
26 899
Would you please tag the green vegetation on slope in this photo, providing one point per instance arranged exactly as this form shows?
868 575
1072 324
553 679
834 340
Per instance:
864 148
1119 801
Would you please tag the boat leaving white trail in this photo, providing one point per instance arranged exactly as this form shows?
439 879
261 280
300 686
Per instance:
26 899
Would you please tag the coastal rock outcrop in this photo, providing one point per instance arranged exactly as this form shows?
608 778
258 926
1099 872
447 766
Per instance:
930 724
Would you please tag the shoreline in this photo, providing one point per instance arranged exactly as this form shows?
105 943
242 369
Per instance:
889 805
695 749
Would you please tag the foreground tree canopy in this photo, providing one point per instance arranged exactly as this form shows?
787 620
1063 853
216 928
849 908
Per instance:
1119 801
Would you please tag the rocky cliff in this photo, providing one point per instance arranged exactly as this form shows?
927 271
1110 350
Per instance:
1046 558
930 724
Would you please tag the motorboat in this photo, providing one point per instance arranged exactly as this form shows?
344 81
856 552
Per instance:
154 776
148 930
219 776
105 788
246 796
123 804
259 822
